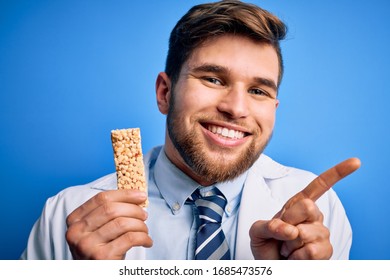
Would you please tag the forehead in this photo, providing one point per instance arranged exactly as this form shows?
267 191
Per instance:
237 53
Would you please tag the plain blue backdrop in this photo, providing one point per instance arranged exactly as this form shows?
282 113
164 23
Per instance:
71 71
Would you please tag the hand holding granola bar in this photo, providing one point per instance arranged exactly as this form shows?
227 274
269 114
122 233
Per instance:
112 222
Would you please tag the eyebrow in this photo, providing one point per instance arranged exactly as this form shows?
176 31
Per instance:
267 82
210 68
213 68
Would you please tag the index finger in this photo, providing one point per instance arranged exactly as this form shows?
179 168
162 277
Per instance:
326 180
127 196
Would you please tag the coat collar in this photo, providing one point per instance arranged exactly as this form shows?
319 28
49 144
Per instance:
270 169
257 202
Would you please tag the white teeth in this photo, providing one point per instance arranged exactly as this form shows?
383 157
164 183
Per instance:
225 132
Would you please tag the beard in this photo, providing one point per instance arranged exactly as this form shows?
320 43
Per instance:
191 147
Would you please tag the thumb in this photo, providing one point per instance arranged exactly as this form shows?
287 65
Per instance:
273 229
266 237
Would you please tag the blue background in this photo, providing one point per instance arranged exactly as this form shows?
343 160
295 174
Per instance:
70 71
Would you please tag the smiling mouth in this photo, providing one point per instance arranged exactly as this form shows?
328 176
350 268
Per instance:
226 132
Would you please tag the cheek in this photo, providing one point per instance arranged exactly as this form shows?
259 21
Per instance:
191 99
265 116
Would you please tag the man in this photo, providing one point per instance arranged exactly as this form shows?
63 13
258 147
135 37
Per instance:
219 92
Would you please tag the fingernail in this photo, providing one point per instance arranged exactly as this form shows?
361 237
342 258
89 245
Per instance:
146 213
142 194
138 194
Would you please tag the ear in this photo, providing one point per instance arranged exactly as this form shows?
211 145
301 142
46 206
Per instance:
277 103
163 92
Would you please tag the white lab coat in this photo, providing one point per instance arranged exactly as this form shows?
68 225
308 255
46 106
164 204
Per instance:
268 186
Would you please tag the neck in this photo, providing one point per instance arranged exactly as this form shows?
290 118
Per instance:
174 156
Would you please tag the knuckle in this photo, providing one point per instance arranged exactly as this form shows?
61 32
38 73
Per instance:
326 233
102 198
109 210
319 233
320 217
129 225
72 218
84 245
73 233
70 236
124 224
316 252
253 230
120 223
273 225
310 209
308 205
132 238
304 234
312 251
136 238
322 182
69 220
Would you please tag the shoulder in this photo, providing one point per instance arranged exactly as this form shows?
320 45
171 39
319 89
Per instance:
72 197
284 181
274 172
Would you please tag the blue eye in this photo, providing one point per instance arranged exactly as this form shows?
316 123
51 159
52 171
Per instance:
213 80
257 91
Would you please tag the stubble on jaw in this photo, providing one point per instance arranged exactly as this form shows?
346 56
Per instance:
191 149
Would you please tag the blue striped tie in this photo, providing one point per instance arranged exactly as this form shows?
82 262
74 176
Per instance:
211 243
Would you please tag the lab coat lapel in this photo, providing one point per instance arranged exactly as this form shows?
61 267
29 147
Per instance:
257 203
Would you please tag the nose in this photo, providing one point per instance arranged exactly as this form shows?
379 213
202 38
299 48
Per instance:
234 103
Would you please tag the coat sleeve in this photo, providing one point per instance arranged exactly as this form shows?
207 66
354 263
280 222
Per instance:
47 237
339 227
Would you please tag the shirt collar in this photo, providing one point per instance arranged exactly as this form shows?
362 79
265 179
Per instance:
232 191
175 186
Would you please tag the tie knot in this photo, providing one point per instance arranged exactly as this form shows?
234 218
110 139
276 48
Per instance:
211 205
